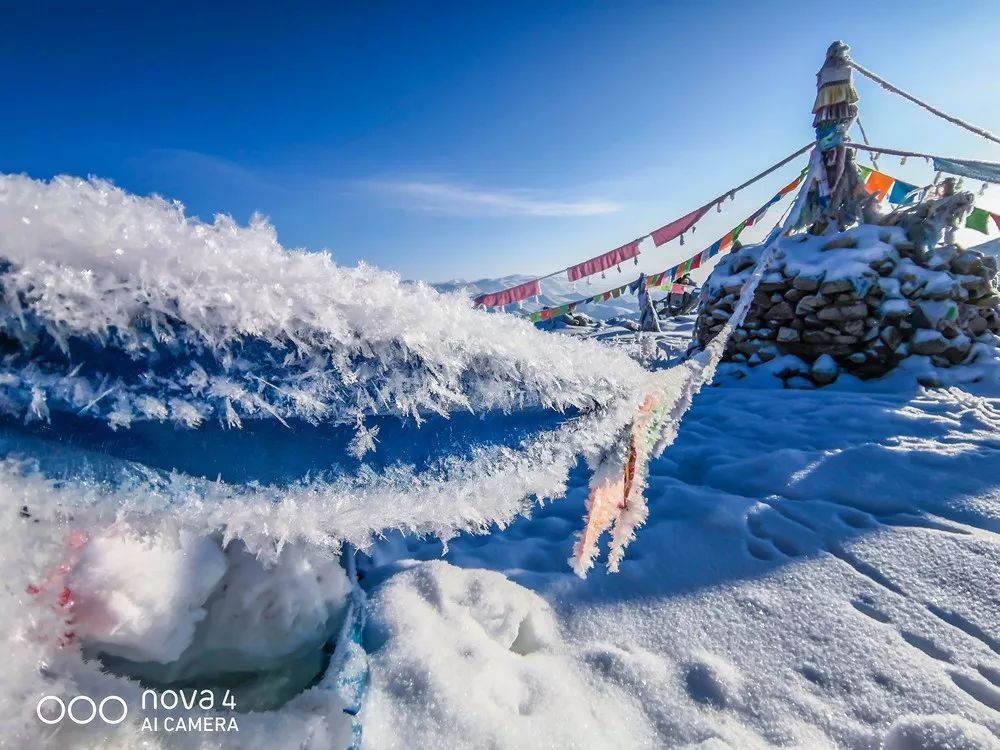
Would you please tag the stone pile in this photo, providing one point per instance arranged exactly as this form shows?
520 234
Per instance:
857 302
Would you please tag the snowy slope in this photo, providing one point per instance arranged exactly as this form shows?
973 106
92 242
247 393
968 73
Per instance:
820 569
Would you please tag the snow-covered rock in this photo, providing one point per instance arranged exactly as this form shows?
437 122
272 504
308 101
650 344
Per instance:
863 299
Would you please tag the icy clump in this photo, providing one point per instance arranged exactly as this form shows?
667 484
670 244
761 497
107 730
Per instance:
142 599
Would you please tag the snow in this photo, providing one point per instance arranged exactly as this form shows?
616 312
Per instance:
817 567
142 599
819 570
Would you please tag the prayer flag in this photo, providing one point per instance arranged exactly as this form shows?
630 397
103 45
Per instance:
604 262
509 296
879 184
979 220
899 192
676 228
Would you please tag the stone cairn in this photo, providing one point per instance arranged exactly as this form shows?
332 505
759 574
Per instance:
897 301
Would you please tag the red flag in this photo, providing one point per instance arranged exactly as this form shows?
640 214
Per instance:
603 262
509 296
676 228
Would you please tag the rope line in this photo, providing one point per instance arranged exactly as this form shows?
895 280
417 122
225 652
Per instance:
920 103
714 201
899 152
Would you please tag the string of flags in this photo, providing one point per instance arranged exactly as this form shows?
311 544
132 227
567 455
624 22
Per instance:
897 192
667 280
629 251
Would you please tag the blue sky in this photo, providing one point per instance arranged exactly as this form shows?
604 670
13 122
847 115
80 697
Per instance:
471 140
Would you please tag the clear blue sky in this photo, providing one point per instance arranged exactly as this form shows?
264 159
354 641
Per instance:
471 139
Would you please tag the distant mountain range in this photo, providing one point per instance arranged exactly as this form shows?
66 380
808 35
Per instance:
555 291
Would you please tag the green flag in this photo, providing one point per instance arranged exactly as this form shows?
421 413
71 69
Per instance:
979 220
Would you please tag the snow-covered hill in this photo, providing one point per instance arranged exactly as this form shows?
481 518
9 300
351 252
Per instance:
556 291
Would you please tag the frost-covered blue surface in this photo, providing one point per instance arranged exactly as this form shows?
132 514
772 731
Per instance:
139 342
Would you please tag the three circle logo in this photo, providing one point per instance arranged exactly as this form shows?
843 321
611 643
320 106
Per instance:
82 709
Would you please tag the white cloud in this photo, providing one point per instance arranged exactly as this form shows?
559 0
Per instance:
451 199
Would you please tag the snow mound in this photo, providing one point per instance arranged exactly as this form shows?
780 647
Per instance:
466 658
938 732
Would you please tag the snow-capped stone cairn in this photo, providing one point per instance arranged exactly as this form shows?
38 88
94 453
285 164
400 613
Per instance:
861 300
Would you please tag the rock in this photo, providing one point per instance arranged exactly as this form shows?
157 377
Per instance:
733 287
722 315
766 333
857 310
884 268
967 261
977 324
767 353
844 339
858 358
891 336
806 283
843 241
799 383
810 304
793 295
928 342
816 337
771 286
786 335
853 327
830 313
836 287
811 321
894 309
958 349
824 369
781 311
791 365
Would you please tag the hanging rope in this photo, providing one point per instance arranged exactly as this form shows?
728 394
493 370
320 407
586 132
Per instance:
864 135
899 152
722 197
934 110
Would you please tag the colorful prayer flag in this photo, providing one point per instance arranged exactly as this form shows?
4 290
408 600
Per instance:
509 296
978 220
879 184
987 171
899 192
604 262
676 228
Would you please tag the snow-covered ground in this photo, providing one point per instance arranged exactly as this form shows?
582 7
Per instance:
820 569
